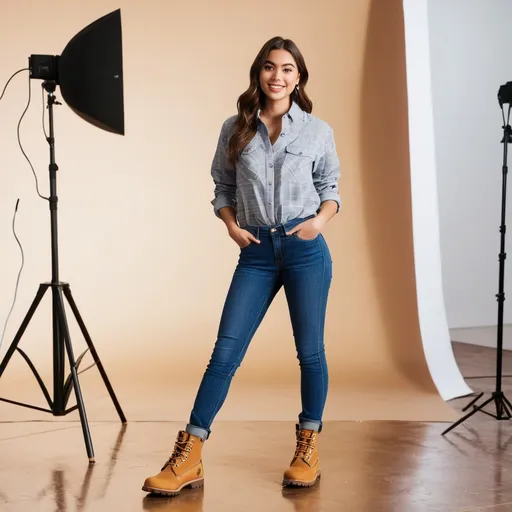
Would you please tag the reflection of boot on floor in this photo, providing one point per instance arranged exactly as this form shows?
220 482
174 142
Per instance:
183 469
304 499
304 469
190 501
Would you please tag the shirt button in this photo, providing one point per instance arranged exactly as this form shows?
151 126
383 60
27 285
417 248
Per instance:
271 165
270 183
282 134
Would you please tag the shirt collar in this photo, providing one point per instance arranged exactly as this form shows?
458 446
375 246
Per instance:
294 112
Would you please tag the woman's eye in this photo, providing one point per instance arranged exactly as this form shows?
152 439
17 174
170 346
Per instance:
288 70
268 68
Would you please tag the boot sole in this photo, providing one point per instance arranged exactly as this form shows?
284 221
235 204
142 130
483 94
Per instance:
166 492
300 483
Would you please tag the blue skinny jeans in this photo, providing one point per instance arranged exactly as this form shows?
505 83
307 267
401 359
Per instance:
304 269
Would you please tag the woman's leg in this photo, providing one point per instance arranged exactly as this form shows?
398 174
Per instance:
252 290
253 287
306 281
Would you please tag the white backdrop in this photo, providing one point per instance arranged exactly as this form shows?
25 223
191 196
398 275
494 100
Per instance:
431 308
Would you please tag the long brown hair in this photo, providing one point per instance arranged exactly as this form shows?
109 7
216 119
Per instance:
254 98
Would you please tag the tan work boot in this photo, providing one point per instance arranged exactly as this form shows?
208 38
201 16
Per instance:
304 469
183 469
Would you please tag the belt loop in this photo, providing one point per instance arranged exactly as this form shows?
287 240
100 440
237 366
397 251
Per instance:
258 233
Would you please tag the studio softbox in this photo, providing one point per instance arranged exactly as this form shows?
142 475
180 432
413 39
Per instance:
90 73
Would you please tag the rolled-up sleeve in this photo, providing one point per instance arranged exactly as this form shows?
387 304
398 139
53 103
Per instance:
223 174
327 172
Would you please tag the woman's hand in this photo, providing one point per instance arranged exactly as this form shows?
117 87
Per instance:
309 229
242 237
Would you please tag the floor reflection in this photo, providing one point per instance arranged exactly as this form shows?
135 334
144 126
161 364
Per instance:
58 487
190 500
496 456
304 499
113 459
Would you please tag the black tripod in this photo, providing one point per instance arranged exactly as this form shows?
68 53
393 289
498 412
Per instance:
503 406
61 337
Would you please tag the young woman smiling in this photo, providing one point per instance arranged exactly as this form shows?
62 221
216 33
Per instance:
276 174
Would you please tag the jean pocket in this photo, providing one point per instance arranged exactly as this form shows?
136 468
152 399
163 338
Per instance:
296 236
255 232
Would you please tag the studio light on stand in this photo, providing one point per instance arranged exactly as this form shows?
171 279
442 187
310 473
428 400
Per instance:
89 73
501 402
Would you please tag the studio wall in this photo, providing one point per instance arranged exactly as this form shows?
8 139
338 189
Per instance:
148 262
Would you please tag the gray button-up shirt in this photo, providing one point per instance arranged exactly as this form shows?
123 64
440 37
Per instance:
272 184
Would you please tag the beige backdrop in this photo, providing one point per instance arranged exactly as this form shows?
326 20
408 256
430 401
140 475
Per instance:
150 265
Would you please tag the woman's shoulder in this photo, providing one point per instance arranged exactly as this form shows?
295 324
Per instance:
317 131
228 127
317 125
229 123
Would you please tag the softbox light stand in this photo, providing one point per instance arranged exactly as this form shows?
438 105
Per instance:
89 73
501 402
61 337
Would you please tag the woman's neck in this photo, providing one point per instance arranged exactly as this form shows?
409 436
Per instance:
276 109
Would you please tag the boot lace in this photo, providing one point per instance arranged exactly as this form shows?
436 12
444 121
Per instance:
182 449
305 446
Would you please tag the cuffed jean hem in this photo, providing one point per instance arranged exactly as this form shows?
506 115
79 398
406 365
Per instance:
310 425
202 433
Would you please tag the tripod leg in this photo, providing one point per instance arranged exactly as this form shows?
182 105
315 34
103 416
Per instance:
509 405
35 303
69 297
506 409
464 418
472 402
74 374
500 409
502 406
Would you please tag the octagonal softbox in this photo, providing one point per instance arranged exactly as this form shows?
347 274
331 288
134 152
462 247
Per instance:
90 73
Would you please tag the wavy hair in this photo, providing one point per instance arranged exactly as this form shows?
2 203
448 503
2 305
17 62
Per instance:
254 98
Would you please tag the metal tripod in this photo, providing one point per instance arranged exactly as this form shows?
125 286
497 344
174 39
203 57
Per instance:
503 405
61 338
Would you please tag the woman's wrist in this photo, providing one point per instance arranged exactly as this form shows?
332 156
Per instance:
228 215
327 211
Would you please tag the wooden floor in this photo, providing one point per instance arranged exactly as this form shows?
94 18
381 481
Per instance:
367 466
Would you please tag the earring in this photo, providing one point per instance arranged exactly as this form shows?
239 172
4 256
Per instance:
297 88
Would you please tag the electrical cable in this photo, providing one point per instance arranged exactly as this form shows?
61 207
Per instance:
21 146
8 81
19 273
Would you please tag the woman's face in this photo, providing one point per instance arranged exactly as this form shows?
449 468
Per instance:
279 75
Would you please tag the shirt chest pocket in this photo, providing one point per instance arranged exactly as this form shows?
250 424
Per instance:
250 162
298 163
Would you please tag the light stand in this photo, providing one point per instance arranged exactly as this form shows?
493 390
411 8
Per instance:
89 73
503 405
61 337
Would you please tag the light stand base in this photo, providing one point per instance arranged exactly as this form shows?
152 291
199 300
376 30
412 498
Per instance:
62 343
503 409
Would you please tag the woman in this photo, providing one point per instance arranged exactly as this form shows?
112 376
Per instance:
276 186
